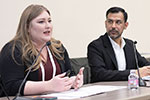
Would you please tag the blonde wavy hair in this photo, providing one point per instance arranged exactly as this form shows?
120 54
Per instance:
29 52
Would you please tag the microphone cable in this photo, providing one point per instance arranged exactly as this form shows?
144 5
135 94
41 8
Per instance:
3 88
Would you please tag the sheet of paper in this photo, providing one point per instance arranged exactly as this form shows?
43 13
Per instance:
147 78
85 91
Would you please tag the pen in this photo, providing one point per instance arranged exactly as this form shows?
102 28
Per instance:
68 73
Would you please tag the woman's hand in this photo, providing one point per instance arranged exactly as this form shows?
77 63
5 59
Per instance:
59 83
78 80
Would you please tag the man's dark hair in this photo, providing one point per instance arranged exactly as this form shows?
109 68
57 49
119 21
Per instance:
117 10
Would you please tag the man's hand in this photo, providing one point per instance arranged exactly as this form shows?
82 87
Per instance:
144 71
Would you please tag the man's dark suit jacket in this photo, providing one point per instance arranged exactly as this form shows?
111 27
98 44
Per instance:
103 63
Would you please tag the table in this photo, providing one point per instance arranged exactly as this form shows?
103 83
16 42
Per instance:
143 93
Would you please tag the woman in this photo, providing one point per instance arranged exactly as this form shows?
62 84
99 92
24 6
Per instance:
17 56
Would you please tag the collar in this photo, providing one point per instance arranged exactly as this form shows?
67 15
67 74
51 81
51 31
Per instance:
115 45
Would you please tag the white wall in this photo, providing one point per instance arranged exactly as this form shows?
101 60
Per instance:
78 22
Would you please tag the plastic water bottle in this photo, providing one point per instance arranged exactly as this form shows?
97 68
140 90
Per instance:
133 80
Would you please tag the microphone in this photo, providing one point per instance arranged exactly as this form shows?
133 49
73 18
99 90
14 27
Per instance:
141 81
17 97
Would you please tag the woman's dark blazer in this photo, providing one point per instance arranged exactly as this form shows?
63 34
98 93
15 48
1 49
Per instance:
12 74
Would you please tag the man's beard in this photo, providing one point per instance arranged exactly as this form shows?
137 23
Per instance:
114 36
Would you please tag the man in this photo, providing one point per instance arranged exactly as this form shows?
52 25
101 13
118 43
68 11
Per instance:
112 57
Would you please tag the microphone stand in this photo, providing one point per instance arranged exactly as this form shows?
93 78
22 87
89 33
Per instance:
17 97
142 83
